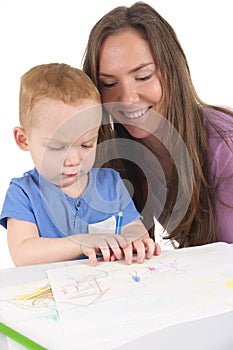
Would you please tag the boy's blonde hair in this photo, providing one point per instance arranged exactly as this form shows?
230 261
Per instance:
58 81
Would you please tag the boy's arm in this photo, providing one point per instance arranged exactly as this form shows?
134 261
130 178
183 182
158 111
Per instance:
27 247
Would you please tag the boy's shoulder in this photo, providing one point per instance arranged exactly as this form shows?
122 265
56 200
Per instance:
102 173
27 178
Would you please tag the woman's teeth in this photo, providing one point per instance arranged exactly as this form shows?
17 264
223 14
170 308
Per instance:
135 115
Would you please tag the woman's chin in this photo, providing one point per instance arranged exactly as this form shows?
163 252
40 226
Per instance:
137 132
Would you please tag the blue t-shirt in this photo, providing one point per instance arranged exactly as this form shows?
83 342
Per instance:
34 199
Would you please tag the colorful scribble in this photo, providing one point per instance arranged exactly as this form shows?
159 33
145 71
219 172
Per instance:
135 277
151 268
83 290
36 299
226 284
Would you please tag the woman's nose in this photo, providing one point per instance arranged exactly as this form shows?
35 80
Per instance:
128 93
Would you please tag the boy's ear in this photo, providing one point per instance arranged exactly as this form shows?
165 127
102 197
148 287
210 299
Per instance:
21 138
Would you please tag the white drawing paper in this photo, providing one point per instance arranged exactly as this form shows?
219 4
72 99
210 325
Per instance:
103 307
117 303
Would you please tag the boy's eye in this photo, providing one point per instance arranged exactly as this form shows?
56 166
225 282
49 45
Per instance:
88 145
56 147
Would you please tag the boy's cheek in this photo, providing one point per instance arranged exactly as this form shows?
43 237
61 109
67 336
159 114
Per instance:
51 168
88 162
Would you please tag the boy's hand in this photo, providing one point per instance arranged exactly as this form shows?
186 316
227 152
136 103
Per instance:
142 249
107 244
116 247
145 249
142 246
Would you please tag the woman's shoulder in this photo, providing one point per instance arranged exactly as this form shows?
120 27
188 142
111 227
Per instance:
218 120
219 125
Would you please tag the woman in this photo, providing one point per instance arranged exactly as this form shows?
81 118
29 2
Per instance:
183 175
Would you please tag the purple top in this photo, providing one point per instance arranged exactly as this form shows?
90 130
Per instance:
221 170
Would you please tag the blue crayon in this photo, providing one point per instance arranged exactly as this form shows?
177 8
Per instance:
118 223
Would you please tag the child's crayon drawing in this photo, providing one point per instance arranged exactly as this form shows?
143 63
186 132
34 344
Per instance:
166 289
36 297
108 305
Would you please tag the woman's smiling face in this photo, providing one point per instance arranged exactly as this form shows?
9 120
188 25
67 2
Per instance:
130 82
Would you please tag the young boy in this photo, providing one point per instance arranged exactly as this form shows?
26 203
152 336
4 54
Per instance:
50 211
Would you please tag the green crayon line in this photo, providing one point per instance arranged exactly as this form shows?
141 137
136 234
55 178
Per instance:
19 338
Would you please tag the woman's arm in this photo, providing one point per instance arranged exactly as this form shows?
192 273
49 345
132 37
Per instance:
224 198
222 174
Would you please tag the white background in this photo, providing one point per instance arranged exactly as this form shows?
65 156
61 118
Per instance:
43 31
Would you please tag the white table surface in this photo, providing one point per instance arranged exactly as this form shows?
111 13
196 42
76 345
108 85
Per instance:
212 333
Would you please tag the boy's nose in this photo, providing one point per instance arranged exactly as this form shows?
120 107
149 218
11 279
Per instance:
73 157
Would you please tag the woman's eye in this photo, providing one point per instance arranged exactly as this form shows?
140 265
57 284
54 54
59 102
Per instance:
107 85
144 78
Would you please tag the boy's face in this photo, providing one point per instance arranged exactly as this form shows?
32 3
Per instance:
63 142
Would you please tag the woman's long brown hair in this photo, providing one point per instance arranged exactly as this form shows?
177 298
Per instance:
182 108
